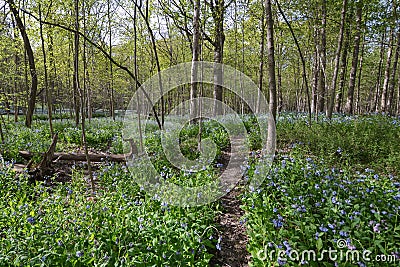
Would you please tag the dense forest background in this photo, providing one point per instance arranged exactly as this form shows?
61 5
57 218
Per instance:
330 56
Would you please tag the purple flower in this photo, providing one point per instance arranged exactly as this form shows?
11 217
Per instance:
30 220
376 228
323 228
343 234
79 254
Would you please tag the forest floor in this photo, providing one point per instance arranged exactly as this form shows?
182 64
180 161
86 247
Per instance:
233 236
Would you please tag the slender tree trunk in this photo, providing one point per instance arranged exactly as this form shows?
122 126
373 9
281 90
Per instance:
271 77
17 72
357 109
375 98
81 94
305 80
387 74
314 90
46 83
322 79
111 80
195 59
343 72
337 60
393 76
76 62
139 107
218 11
31 61
261 67
354 65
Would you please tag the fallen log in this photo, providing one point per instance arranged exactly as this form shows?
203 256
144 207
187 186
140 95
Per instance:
80 156
72 156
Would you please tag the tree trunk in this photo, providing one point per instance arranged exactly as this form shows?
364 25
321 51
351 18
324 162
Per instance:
46 83
354 64
271 77
393 76
76 67
195 58
387 74
111 81
359 78
261 67
314 90
218 11
322 79
337 60
31 61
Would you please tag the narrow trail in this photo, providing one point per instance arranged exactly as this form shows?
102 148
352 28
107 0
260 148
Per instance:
233 251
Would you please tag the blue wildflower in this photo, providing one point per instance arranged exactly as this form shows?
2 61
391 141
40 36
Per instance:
30 220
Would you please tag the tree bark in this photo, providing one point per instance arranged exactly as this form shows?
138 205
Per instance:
261 67
75 81
271 77
218 12
354 64
46 83
393 76
31 61
322 79
337 60
387 74
195 58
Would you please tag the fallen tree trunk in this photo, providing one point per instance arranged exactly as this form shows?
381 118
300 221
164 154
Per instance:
81 156
71 156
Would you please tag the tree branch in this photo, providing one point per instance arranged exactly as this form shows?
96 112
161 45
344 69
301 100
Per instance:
105 54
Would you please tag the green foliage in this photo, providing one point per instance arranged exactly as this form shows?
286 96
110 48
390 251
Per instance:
303 205
368 141
64 226
335 184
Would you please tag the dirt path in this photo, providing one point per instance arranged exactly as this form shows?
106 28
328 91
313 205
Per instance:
232 231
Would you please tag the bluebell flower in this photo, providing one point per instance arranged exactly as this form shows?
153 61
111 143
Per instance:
278 222
281 262
30 220
323 228
79 254
343 234
376 228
